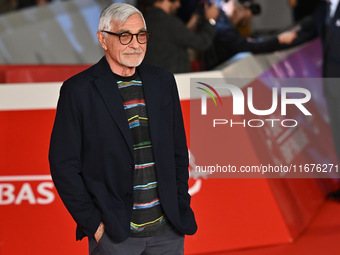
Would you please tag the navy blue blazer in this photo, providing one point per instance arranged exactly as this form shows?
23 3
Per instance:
330 37
91 151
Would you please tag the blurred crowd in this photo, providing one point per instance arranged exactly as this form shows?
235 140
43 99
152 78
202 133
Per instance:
196 35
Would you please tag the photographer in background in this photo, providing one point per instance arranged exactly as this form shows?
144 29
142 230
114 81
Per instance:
228 41
245 11
171 38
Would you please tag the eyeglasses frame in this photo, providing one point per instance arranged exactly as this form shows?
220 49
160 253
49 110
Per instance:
120 34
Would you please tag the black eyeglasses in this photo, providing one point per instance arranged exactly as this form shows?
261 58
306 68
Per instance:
126 37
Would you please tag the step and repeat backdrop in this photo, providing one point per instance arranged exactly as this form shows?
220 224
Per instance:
232 212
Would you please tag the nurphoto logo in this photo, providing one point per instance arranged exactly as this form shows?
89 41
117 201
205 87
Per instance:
280 99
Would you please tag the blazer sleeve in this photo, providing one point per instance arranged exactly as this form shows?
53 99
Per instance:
187 38
308 31
233 41
65 161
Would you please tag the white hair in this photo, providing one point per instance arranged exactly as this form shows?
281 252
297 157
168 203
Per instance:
117 12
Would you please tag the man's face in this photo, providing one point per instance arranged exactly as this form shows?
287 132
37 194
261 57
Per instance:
171 7
175 6
121 56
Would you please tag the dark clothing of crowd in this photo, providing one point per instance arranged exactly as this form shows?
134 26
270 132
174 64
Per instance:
171 39
304 8
228 42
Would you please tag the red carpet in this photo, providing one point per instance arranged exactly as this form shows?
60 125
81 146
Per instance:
321 237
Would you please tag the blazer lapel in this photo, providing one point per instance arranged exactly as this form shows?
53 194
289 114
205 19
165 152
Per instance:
336 15
152 95
109 91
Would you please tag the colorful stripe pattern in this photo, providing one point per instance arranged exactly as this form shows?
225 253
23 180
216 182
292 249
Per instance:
141 227
137 121
146 205
150 185
148 218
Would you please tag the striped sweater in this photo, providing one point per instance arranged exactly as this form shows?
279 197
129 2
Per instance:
148 218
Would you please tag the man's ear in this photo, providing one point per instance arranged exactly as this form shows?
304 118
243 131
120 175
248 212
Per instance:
102 40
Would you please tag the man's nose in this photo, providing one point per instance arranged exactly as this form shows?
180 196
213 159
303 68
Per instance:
134 43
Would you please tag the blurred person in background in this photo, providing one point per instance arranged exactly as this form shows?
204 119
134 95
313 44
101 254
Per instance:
171 38
245 13
302 8
325 23
228 41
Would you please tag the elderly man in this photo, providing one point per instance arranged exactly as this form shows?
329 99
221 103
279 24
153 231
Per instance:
118 153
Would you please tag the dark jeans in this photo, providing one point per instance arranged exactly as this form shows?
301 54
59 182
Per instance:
167 243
